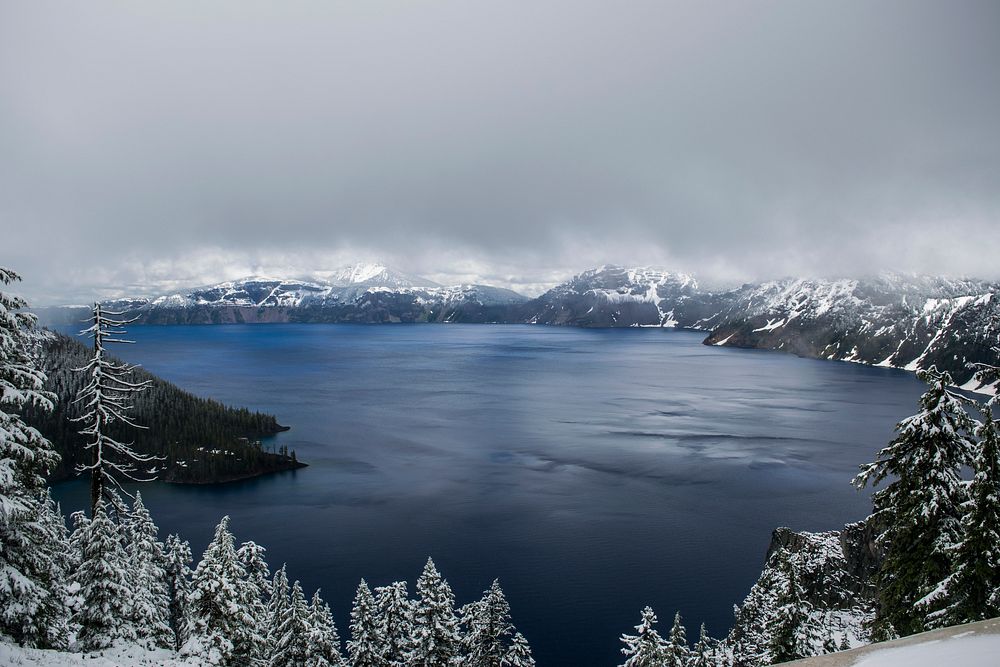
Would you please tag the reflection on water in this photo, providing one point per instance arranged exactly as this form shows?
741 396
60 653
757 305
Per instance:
592 471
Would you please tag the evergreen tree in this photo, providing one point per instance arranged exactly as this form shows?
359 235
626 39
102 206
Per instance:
324 642
178 573
31 581
436 638
646 647
921 509
791 630
276 609
678 653
258 582
151 600
395 623
49 627
703 654
972 591
222 631
104 585
364 646
519 653
106 399
829 643
292 649
490 629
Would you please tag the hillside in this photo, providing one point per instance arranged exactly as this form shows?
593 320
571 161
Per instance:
203 440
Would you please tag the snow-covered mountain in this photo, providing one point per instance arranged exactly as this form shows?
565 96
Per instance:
359 293
893 320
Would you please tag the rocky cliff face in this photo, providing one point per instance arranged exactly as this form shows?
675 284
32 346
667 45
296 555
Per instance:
833 572
909 322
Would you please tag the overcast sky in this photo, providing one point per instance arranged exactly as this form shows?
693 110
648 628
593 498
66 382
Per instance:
148 145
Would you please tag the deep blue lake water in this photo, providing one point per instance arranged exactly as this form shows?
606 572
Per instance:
592 471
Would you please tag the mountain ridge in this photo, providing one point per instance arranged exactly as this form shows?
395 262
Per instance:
892 320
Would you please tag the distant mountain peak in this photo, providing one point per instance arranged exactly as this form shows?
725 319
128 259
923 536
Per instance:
373 274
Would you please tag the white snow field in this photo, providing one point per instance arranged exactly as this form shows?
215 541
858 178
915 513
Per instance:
970 645
124 656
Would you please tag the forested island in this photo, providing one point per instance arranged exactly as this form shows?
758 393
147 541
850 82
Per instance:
202 440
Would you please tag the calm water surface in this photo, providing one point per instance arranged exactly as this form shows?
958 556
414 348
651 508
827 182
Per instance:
592 471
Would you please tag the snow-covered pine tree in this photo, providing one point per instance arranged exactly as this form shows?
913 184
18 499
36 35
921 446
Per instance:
791 631
324 641
106 399
292 649
105 614
258 581
394 613
519 653
178 572
678 653
646 648
489 629
972 591
703 653
222 630
364 648
921 510
50 626
31 585
436 638
151 601
276 609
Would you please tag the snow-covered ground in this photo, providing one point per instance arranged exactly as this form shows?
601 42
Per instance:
125 656
971 645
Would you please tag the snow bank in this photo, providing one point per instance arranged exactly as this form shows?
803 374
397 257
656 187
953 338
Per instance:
970 645
121 656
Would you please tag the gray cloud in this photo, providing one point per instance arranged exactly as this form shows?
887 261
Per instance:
150 144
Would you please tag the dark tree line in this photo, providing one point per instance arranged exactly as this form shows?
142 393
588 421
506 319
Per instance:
201 440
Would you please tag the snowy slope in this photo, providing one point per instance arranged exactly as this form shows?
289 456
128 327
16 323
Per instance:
122 656
971 645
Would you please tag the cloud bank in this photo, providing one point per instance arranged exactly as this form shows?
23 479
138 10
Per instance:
144 145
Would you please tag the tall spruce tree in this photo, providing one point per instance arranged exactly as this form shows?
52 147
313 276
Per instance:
105 587
436 639
364 646
106 400
276 609
151 599
519 653
223 631
646 648
258 584
972 591
324 641
49 627
31 580
178 573
792 635
292 648
703 653
489 629
394 613
921 509
678 653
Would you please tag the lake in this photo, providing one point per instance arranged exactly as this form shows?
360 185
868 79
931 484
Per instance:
593 471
